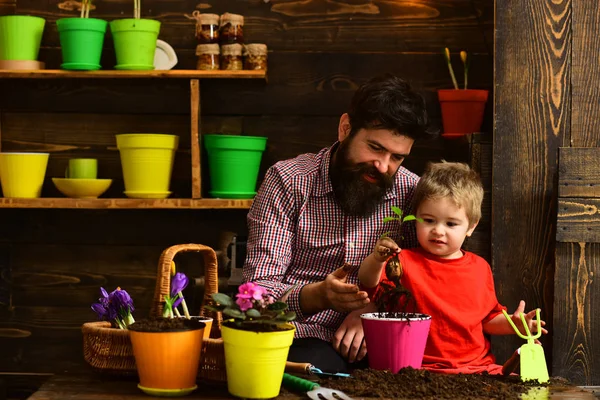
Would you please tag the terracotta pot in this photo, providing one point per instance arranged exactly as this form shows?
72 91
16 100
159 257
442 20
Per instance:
462 110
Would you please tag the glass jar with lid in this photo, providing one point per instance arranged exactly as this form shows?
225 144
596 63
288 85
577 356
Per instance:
231 57
208 56
255 56
207 27
231 29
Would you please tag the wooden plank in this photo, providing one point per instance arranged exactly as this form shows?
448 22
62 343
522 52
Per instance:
579 172
575 302
195 140
527 135
578 220
110 74
585 75
315 84
314 25
125 203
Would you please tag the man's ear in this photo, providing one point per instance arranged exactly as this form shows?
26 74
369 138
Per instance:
344 127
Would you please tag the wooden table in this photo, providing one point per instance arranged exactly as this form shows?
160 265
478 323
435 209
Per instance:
88 386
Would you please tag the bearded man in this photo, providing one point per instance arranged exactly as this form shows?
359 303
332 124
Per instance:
317 216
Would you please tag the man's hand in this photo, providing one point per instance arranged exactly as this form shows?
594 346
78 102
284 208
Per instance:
340 295
349 338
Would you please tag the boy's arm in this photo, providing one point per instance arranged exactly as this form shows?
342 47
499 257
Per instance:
370 271
499 325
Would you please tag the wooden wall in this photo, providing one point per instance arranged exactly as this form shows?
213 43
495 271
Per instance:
53 261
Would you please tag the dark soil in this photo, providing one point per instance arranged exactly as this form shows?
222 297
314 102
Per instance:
159 324
411 383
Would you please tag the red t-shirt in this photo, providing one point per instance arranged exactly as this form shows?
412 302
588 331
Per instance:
459 295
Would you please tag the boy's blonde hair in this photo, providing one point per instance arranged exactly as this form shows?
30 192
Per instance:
453 180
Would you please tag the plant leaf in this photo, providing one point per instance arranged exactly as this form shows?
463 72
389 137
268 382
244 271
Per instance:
397 211
222 299
253 313
290 316
232 312
409 218
278 306
385 234
389 219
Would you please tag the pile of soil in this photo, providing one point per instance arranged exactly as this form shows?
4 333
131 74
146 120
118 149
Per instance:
160 324
411 383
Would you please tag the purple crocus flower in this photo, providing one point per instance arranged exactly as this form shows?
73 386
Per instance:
178 283
100 309
121 301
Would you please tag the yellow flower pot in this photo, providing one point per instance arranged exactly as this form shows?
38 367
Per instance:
147 161
22 174
255 361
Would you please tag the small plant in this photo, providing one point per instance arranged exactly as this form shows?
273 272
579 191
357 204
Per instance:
137 6
179 282
465 61
392 294
254 309
86 5
115 307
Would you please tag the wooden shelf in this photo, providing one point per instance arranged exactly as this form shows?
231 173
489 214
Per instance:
112 74
126 203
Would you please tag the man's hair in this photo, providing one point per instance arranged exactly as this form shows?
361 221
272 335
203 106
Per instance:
453 180
388 102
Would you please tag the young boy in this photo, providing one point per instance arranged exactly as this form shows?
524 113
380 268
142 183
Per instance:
454 286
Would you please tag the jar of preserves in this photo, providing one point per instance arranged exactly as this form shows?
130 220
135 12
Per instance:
255 56
231 29
231 57
208 56
207 27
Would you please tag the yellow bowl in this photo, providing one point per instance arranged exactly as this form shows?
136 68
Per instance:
82 188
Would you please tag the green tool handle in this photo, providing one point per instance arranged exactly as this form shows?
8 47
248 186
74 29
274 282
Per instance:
295 383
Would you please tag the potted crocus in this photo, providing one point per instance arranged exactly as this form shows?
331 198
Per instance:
135 40
396 335
81 40
115 307
167 349
257 335
462 109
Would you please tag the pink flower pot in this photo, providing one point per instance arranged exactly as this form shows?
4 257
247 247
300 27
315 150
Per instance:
395 340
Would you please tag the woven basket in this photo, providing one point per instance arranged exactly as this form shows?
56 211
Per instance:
109 349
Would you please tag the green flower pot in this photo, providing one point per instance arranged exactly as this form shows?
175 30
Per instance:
20 37
81 41
135 42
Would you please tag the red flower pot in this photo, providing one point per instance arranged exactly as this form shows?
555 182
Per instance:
462 110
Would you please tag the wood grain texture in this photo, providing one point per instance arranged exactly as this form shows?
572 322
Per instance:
585 74
578 220
575 344
195 138
532 108
579 172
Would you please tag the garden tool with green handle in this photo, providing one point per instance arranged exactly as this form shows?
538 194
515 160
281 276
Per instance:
532 360
312 389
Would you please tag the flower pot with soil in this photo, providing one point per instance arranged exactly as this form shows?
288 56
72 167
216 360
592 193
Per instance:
462 109
81 40
257 338
167 354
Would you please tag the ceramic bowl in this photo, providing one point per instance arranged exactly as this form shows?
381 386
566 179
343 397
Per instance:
82 188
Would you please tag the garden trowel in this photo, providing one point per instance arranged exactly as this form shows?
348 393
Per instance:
312 389
532 360
309 369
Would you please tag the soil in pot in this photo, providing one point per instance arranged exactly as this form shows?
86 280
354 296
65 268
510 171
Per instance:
411 383
159 324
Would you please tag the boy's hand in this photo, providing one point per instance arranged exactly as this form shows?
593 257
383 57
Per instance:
384 248
529 319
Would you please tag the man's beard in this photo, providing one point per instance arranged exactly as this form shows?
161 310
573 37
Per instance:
355 195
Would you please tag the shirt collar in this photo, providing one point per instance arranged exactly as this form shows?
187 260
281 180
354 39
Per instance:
324 185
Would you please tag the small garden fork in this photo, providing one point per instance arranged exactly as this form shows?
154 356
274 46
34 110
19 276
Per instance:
532 359
312 389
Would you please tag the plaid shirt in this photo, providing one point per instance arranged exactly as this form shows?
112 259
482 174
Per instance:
298 234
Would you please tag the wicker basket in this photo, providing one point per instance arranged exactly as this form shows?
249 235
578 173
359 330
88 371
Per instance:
109 349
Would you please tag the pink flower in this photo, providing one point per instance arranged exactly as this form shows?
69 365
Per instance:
245 304
250 290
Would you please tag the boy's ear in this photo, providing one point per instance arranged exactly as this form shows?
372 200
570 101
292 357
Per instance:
471 229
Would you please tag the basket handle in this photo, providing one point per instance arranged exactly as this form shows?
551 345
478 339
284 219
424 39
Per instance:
211 280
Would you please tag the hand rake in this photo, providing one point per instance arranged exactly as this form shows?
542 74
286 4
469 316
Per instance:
532 359
312 389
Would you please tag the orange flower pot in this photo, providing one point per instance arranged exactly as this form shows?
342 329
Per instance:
167 362
462 110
